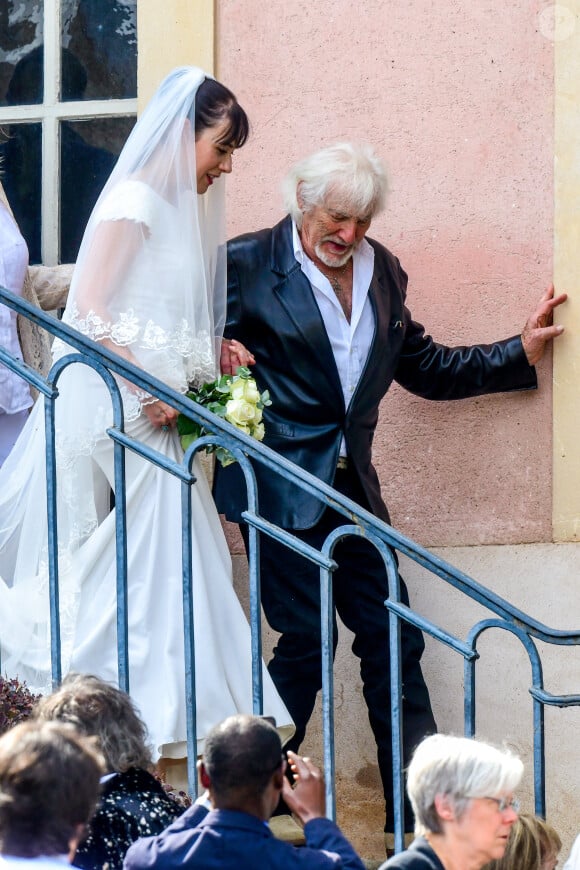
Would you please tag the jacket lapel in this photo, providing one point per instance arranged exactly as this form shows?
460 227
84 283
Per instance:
380 299
295 295
381 302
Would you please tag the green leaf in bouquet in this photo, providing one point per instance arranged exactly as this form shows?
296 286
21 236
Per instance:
187 441
187 426
217 408
243 372
224 456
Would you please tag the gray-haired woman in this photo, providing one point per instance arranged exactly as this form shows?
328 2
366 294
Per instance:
462 793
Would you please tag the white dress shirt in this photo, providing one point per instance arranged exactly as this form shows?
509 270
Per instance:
350 342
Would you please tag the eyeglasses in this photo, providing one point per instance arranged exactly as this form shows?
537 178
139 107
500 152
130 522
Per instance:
503 804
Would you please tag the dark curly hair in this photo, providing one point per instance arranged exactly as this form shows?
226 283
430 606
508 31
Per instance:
99 709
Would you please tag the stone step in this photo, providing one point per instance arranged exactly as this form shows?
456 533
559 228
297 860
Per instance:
285 828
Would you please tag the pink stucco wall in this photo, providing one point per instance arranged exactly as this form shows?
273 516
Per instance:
458 99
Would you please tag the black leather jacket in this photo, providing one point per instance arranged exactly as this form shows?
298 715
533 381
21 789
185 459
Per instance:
272 310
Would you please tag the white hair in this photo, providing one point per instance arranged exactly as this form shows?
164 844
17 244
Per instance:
354 173
459 768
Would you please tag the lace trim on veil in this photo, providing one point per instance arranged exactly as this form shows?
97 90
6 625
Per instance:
184 358
195 348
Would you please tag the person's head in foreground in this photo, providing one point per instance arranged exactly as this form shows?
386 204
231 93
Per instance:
243 766
98 709
332 196
550 844
533 844
49 786
462 794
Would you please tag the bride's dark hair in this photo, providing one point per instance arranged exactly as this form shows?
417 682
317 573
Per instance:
215 103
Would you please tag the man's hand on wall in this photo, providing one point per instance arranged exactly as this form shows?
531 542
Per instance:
539 329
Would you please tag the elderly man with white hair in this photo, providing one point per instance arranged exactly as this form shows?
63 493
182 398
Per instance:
462 793
323 308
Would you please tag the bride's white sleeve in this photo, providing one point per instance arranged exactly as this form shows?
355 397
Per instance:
119 228
130 200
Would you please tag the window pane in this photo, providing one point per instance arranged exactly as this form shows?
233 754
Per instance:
88 150
21 178
21 38
99 42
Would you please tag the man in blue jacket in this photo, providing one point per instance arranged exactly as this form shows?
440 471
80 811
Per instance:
243 773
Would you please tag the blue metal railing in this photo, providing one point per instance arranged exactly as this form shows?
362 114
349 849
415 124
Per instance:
358 521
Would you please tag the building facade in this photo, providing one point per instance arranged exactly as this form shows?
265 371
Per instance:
475 110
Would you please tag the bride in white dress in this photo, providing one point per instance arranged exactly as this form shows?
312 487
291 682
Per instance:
150 285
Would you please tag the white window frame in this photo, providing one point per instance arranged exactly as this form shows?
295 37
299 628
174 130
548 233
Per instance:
50 113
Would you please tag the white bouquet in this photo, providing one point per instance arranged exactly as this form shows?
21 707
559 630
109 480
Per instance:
237 399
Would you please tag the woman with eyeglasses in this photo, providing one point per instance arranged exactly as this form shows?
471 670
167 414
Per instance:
462 794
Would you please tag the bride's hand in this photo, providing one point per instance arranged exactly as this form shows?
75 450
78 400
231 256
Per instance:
161 415
234 354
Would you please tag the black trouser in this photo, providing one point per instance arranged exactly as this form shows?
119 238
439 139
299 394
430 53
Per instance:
291 602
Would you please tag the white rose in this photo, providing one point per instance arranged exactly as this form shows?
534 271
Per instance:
259 432
245 389
240 413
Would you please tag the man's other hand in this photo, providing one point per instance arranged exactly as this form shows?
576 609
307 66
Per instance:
539 329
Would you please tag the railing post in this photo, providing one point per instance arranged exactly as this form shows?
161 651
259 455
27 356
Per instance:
327 643
539 760
189 638
469 697
255 619
52 526
121 560
396 704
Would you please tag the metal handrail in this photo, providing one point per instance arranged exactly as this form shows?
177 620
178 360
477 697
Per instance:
358 521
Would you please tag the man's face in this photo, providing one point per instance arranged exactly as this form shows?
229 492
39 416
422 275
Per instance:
330 232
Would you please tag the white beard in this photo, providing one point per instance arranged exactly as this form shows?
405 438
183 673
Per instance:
330 261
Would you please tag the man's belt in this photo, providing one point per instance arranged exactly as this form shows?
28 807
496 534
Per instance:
342 463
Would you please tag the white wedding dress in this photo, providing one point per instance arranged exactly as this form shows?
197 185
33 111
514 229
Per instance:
86 526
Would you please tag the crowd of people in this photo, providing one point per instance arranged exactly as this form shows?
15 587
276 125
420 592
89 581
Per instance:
319 310
77 784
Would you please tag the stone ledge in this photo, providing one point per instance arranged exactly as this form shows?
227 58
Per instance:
285 828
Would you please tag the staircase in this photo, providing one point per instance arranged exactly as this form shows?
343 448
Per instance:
496 617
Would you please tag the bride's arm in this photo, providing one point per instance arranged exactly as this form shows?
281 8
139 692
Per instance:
101 277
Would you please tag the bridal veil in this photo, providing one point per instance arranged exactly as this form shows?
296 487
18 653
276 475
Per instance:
150 284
